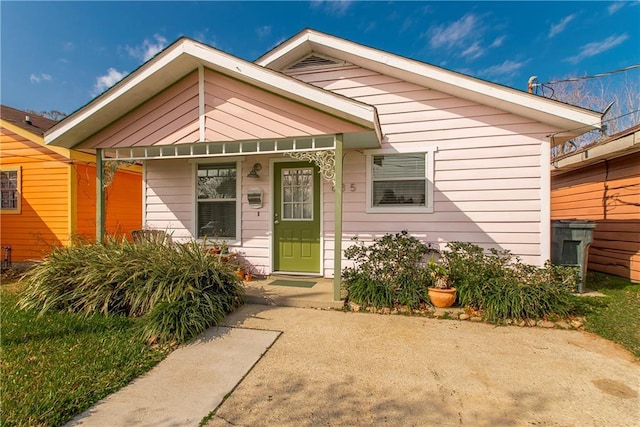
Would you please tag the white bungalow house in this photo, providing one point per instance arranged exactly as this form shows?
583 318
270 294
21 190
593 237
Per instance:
323 137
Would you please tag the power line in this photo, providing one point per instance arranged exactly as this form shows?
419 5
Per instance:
595 124
608 73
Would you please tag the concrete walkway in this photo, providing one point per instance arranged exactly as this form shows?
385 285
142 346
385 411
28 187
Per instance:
328 367
358 369
186 386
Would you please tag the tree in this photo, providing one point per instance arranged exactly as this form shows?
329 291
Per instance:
622 91
53 114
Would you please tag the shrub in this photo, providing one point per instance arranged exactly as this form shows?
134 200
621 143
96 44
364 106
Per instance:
503 287
148 279
389 272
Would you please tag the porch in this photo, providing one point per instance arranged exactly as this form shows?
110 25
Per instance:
319 295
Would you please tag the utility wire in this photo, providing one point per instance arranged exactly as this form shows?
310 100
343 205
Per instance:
608 73
594 124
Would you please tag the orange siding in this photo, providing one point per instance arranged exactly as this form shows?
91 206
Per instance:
608 193
123 203
43 219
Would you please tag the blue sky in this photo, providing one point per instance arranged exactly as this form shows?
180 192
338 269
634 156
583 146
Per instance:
59 55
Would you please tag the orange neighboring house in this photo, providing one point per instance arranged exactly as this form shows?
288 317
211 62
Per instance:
602 183
48 194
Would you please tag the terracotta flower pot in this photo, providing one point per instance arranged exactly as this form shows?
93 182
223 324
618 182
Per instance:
442 297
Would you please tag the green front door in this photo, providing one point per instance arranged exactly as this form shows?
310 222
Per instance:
296 217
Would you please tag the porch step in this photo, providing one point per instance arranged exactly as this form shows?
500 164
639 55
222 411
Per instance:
287 301
319 296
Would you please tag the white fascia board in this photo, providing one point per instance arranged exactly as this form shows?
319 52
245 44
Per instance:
177 61
101 103
565 117
360 113
279 56
612 149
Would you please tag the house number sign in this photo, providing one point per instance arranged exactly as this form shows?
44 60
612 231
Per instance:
352 188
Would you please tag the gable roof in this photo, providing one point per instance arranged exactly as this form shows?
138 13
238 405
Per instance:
181 58
36 124
33 130
572 120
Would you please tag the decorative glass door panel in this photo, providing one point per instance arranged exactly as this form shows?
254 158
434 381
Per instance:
296 218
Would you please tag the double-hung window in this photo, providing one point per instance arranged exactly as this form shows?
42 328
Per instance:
217 201
400 182
10 190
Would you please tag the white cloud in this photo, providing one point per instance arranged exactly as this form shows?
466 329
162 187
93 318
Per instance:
68 46
332 7
148 49
615 6
37 78
474 51
263 31
454 34
596 48
560 26
497 42
507 68
103 83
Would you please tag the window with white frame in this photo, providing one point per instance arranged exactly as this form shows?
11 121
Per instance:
10 190
400 182
217 201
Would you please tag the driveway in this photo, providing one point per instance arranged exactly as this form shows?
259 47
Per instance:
342 368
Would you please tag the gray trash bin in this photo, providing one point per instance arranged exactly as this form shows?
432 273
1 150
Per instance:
570 240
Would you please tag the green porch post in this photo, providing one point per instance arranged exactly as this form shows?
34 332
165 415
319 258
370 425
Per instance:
99 196
337 250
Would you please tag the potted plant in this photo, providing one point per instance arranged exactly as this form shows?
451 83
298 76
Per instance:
441 294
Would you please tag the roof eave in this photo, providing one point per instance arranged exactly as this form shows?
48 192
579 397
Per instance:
178 60
572 120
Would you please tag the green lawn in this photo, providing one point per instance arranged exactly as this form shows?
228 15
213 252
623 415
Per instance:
616 316
57 365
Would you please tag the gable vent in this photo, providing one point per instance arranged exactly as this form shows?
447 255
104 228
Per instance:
313 61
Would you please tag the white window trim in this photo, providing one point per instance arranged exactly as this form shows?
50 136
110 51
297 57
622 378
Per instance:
194 174
429 165
18 209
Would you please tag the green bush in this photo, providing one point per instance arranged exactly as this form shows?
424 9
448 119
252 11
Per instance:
390 272
502 287
147 279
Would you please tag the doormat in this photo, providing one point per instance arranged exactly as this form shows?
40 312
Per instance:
293 283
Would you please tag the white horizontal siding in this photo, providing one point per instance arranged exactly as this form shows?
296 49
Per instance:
169 197
487 168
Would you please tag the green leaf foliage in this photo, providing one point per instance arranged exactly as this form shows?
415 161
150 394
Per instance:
147 279
389 272
502 287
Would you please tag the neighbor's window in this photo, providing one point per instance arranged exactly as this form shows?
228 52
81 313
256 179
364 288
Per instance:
217 200
10 190
400 182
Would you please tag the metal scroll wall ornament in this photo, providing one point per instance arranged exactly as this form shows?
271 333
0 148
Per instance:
325 160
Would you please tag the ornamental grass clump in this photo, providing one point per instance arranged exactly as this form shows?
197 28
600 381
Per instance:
503 288
389 272
178 290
